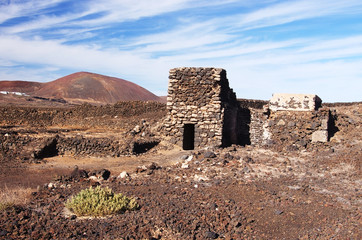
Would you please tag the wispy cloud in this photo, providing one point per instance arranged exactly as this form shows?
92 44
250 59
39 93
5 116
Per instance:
19 8
290 11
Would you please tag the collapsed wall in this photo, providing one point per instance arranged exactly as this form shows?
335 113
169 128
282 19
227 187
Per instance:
202 110
290 120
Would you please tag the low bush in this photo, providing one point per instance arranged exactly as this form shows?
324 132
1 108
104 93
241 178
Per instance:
100 202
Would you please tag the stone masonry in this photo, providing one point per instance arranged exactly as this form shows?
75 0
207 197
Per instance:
202 109
290 120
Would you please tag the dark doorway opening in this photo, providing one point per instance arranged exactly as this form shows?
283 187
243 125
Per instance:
189 137
244 119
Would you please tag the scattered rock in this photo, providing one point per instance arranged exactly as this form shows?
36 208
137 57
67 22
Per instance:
209 154
140 169
123 175
249 160
102 174
184 166
153 166
78 174
278 212
211 235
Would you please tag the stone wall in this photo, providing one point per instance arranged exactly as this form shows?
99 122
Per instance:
259 135
85 115
200 101
252 121
290 121
297 130
202 110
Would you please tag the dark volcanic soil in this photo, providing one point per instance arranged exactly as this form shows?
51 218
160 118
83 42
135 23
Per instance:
232 193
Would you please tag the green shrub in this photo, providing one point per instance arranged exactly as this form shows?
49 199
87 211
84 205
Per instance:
100 202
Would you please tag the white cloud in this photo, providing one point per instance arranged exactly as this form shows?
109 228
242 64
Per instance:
290 11
257 66
260 69
19 8
30 74
119 11
110 12
82 58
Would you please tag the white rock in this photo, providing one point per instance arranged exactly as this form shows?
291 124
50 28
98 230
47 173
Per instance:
137 129
198 178
189 159
184 165
123 174
94 178
320 136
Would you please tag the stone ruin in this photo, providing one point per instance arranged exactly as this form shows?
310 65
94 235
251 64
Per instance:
291 120
202 110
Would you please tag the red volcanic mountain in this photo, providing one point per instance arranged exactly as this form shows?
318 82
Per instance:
88 87
19 86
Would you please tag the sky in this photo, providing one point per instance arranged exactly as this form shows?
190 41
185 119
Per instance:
266 46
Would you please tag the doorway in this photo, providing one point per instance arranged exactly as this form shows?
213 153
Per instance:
189 137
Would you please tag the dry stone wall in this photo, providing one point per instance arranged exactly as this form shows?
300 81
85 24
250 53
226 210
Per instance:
85 115
291 121
259 135
297 130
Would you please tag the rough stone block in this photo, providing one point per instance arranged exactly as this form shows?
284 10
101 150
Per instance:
294 102
320 136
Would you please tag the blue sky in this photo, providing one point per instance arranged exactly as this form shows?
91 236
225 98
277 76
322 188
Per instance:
266 46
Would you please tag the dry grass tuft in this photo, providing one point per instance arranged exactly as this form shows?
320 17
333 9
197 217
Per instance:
10 197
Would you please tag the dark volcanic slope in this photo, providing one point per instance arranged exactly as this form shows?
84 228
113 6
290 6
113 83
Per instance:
85 86
20 86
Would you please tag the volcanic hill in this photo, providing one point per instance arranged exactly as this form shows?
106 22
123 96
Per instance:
20 86
84 87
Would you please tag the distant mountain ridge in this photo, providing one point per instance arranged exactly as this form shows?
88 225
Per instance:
83 87
20 86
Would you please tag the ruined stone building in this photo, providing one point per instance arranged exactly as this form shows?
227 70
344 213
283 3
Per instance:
204 111
292 121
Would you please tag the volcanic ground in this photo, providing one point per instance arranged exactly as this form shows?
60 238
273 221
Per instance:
238 192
